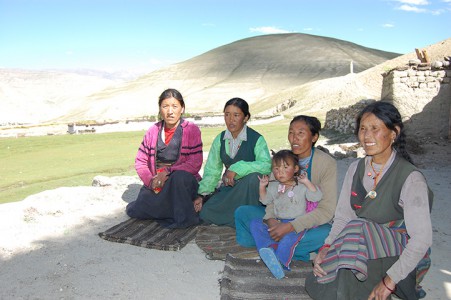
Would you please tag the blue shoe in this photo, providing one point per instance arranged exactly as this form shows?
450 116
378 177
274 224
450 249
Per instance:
421 293
270 259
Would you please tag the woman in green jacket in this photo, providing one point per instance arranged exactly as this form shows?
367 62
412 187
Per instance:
237 157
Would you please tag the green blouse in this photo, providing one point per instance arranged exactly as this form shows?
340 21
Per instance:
214 166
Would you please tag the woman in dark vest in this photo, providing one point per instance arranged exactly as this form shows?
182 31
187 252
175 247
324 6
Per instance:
380 239
168 163
243 155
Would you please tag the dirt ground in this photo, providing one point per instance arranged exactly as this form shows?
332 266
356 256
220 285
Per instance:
50 248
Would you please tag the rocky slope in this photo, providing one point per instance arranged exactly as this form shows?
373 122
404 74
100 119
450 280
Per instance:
320 96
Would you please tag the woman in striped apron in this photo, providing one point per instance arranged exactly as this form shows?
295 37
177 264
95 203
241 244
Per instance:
381 235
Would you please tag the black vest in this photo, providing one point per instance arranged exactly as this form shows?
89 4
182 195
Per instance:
246 151
168 154
384 208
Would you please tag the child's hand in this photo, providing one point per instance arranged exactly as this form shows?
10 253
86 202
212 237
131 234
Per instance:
303 178
264 180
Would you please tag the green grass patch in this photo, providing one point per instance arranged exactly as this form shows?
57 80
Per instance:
33 164
30 165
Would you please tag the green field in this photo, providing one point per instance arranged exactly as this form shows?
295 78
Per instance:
29 165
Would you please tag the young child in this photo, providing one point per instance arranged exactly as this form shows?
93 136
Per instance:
285 199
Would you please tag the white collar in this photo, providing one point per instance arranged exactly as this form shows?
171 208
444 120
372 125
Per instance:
242 136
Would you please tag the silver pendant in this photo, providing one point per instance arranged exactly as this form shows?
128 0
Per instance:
372 194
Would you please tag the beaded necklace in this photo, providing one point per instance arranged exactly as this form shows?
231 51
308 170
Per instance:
373 194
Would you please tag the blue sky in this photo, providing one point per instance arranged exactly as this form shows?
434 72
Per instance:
146 35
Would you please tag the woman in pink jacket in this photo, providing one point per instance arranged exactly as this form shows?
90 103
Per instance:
168 163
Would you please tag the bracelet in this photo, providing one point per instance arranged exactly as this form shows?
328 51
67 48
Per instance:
324 246
391 290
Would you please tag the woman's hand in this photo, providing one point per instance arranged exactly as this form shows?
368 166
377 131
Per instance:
159 180
228 178
317 270
279 230
198 204
382 291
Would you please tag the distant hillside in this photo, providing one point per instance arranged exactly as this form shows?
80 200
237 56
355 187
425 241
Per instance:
320 96
31 96
255 69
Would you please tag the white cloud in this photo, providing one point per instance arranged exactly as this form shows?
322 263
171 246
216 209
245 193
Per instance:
417 6
415 2
308 29
388 25
268 30
438 12
423 6
411 8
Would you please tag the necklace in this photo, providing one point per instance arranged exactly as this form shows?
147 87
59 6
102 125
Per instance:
281 189
373 194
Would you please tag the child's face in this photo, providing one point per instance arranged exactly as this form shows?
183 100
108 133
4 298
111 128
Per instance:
283 171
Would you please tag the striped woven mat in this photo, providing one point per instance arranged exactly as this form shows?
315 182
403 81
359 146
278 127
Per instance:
149 234
218 241
251 279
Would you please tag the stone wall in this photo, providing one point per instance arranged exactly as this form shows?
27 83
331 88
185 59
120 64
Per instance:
422 96
420 91
343 119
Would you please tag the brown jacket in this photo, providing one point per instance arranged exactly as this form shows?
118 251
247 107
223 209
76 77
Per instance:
324 175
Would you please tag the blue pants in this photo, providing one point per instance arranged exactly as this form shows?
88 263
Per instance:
284 249
311 242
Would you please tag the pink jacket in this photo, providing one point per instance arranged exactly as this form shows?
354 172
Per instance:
190 157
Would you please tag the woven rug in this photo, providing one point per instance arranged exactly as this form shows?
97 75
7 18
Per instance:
218 241
251 279
149 234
